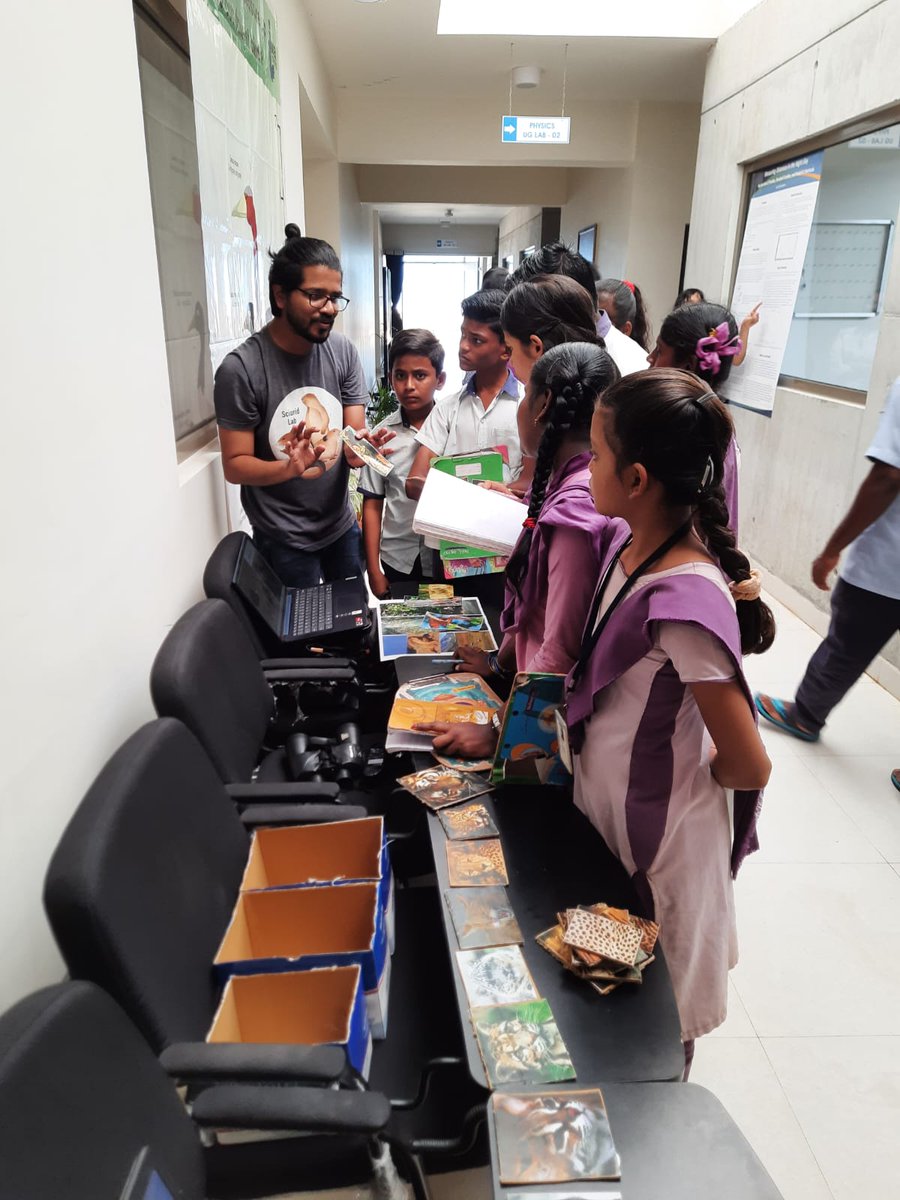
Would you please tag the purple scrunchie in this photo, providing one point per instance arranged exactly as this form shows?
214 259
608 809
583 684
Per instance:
718 345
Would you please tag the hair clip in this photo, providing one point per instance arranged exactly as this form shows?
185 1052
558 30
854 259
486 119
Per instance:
709 474
529 523
629 285
718 345
746 589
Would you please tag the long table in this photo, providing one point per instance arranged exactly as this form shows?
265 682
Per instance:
676 1140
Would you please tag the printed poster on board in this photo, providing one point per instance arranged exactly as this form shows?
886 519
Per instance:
779 220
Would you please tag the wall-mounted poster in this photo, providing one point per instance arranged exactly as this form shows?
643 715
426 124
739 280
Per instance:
779 219
587 242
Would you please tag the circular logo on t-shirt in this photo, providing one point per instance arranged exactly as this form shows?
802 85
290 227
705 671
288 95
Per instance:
322 415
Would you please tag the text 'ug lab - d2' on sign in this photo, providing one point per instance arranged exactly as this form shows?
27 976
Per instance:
552 130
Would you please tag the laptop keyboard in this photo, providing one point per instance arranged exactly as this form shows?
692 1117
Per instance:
311 610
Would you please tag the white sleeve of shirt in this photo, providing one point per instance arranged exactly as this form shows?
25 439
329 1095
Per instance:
435 432
886 446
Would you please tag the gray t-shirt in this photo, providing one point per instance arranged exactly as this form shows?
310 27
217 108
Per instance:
260 387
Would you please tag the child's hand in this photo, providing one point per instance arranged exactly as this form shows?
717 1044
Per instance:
492 486
473 660
461 740
380 584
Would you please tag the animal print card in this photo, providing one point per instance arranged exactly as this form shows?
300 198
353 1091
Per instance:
551 940
467 823
476 864
366 451
498 975
554 1137
482 917
520 1043
438 787
614 940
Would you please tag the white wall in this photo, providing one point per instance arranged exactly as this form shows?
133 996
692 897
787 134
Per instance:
423 239
520 229
357 239
813 69
600 196
105 537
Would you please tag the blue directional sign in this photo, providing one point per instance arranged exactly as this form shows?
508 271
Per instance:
531 130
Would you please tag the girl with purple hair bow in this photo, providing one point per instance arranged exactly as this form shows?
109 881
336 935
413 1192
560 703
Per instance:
704 339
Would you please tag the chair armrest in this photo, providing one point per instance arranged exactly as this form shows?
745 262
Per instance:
317 663
300 814
263 793
229 1062
309 674
308 1110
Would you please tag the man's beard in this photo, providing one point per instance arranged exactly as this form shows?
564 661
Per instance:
311 329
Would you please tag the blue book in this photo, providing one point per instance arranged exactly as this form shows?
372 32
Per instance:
528 750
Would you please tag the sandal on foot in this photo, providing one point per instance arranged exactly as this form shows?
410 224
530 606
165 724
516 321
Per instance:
780 716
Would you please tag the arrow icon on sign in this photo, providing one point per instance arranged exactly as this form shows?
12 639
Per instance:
509 129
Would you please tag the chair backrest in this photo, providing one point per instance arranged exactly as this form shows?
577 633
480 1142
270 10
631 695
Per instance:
142 884
207 675
217 585
81 1095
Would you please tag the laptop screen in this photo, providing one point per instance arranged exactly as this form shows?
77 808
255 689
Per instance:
256 580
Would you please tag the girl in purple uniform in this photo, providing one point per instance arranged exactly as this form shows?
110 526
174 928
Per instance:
668 761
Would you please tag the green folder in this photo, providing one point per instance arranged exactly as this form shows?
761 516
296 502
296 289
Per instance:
481 466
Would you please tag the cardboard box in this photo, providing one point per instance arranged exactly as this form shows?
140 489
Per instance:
337 852
295 929
297 1008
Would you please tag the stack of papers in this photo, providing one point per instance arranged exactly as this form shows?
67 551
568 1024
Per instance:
461 512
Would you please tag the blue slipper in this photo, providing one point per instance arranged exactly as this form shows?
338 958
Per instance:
781 718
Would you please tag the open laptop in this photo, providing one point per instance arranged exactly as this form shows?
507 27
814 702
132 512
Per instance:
296 614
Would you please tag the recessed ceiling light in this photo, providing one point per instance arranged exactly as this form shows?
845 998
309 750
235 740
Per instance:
368 1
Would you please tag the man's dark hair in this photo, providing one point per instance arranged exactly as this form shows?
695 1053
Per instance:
484 307
496 277
420 342
295 255
556 258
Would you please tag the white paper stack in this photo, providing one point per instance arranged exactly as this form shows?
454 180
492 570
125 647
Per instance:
463 512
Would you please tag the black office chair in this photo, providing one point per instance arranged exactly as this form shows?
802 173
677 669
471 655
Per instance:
141 886
139 892
87 1113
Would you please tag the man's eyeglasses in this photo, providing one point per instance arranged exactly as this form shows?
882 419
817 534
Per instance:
318 299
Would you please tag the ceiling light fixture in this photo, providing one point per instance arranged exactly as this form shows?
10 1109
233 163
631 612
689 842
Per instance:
526 77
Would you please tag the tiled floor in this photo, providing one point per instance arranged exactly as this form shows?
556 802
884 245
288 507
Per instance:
808 1063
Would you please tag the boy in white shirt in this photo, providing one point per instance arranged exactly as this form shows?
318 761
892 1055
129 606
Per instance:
483 413
393 551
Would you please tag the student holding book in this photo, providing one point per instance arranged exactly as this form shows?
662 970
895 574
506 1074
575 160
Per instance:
393 551
553 569
661 720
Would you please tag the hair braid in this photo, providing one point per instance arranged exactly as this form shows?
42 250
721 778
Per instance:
755 618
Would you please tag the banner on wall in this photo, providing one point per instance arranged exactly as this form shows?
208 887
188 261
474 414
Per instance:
234 73
779 220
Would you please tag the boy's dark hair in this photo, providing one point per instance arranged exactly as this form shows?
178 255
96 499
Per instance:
670 422
553 307
420 342
297 253
574 374
494 279
685 326
484 307
685 297
556 258
627 305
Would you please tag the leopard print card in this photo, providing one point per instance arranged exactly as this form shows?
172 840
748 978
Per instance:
615 940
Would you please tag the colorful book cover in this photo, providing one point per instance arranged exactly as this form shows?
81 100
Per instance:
554 1137
476 468
430 626
528 749
521 1043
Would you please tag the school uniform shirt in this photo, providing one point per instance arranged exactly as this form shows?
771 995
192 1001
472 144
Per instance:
460 424
628 356
400 547
873 559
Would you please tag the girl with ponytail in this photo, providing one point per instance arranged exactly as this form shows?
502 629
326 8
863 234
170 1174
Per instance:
660 716
704 338
553 569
